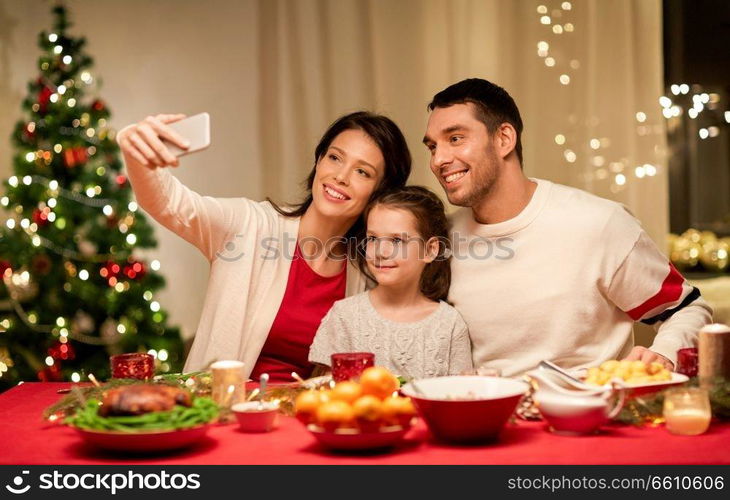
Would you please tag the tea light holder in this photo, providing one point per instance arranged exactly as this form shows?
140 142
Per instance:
349 365
687 411
687 361
229 384
137 365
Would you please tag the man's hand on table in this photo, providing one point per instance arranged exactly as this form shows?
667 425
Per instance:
639 353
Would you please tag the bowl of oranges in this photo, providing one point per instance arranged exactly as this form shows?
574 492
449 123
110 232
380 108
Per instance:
357 415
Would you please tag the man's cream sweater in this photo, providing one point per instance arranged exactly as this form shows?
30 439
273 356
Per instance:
565 280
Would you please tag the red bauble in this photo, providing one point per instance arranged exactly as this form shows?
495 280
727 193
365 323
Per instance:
40 217
69 158
121 180
41 264
50 374
44 96
110 270
74 156
135 270
62 351
4 266
112 221
80 155
98 105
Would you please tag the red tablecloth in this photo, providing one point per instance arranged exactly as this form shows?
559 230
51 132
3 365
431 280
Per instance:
26 439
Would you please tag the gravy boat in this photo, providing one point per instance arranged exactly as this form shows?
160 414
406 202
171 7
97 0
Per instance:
573 410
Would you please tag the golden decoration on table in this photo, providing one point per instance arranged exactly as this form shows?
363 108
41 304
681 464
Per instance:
693 248
685 252
631 372
714 255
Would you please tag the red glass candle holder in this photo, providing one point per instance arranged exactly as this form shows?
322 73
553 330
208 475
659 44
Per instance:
349 365
137 365
687 361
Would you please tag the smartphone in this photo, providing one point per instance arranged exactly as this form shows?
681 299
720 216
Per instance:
196 129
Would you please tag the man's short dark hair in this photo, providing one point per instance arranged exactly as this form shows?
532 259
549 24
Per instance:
494 105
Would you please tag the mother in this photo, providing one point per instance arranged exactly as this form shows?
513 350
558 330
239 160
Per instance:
264 302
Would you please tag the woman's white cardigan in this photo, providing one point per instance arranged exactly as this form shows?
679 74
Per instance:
249 246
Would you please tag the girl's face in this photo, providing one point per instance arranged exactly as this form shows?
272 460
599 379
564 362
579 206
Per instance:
347 174
395 253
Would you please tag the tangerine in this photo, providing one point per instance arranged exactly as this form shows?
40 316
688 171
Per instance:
346 391
378 381
335 414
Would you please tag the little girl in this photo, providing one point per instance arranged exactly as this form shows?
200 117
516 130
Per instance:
404 320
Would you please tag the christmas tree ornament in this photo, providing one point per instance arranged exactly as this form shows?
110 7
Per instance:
112 221
82 323
70 268
5 266
40 217
62 351
50 373
41 264
20 285
135 270
110 270
44 97
87 248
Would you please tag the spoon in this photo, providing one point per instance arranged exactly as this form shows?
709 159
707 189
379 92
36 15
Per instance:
552 366
263 380
253 394
410 380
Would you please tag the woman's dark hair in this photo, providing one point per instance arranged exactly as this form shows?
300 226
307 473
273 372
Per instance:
389 139
494 105
431 222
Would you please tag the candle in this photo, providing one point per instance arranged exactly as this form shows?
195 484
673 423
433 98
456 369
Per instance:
229 386
137 365
687 411
714 353
687 361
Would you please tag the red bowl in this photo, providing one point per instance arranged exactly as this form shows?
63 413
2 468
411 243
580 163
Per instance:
351 439
465 409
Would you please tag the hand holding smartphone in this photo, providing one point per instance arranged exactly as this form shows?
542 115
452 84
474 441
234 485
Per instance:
196 129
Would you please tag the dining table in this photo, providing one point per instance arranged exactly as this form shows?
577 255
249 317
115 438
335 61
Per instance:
28 439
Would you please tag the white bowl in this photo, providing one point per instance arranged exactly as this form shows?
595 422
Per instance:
253 416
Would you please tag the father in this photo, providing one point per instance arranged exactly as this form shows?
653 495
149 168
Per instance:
541 270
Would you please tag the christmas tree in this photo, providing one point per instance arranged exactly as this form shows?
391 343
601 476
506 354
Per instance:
74 289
